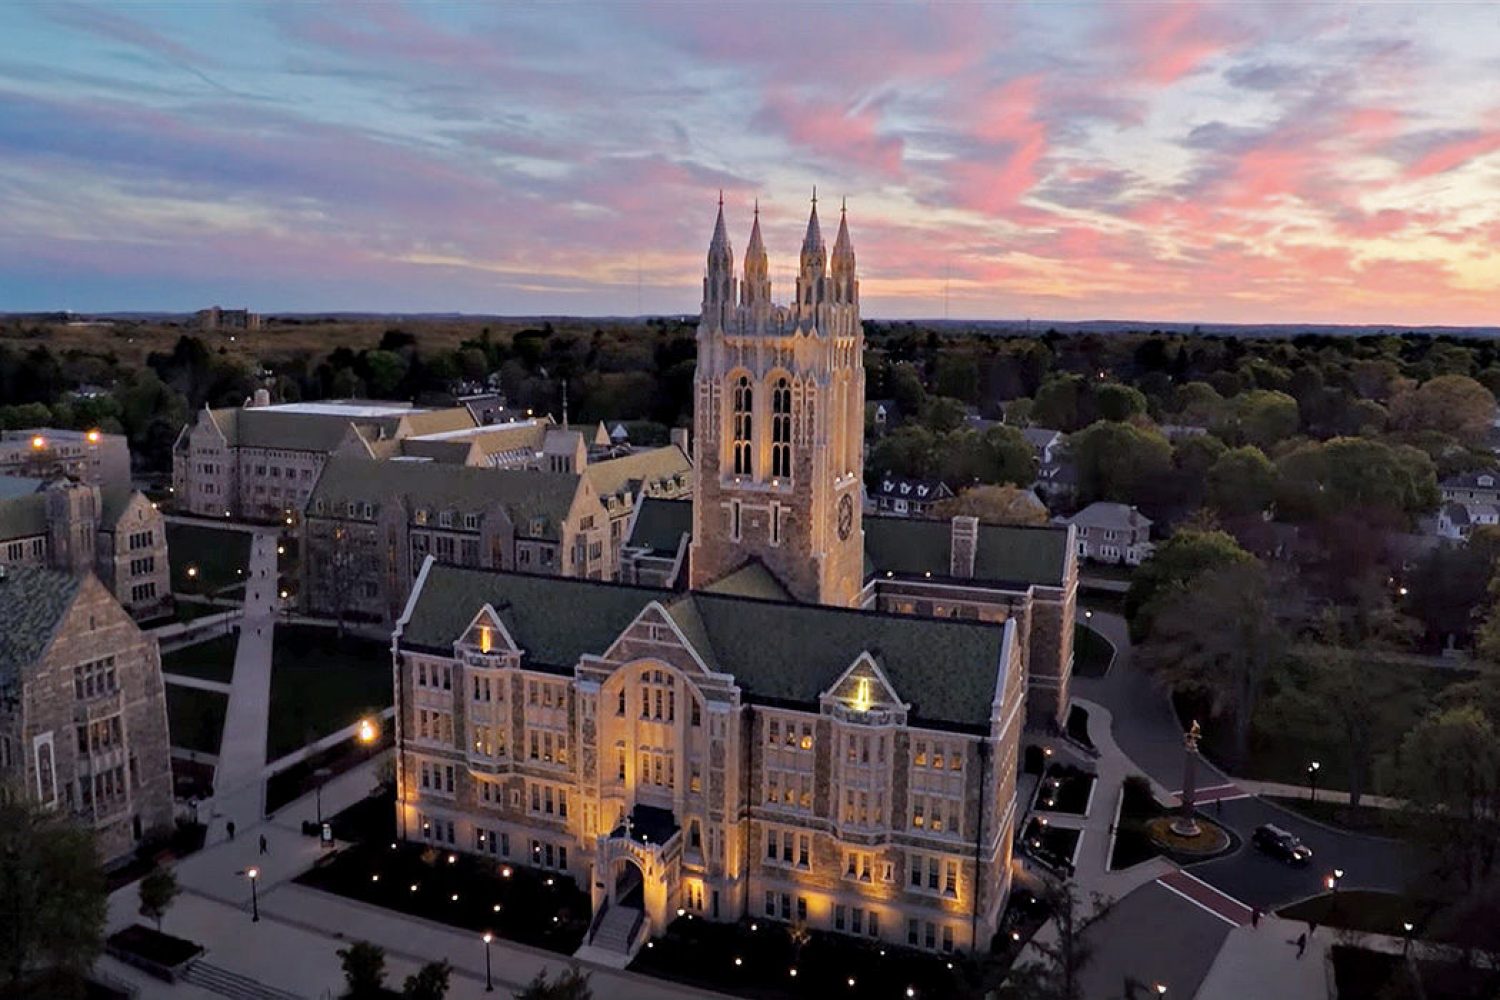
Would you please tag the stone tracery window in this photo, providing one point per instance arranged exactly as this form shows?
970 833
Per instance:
742 419
781 428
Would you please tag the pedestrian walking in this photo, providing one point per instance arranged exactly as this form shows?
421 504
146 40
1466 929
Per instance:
1312 928
1301 944
1218 807
1254 916
230 827
263 848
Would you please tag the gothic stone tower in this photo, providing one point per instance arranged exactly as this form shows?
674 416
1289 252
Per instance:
779 420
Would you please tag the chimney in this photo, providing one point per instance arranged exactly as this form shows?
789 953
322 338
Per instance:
679 437
963 547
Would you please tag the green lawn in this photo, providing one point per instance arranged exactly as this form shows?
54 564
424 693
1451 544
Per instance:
321 683
211 661
195 718
1286 734
1361 910
1092 653
1365 819
214 552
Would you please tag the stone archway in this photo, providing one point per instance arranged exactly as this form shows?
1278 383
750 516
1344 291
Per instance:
629 888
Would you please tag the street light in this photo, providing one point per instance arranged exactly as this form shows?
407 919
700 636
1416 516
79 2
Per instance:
1312 781
1408 927
489 985
368 731
252 874
322 774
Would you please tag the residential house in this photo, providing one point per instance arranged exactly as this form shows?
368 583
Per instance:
1112 533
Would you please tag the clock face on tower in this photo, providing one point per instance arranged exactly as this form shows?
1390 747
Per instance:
846 516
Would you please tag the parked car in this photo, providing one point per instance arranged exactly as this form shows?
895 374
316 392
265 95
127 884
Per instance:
1281 844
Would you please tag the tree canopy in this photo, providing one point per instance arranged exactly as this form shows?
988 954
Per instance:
54 894
994 505
1176 564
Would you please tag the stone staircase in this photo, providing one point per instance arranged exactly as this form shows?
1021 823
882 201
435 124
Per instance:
614 930
232 984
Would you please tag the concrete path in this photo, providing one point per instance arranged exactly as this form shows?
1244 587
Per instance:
1262 962
292 947
238 788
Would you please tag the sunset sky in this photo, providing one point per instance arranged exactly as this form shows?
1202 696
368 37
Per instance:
1276 162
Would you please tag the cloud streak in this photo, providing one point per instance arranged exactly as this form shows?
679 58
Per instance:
1198 161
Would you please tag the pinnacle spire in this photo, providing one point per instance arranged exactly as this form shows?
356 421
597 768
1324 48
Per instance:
843 247
756 246
813 241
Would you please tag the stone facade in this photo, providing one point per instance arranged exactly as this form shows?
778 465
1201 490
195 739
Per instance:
881 823
779 420
83 724
46 453
369 525
77 527
259 462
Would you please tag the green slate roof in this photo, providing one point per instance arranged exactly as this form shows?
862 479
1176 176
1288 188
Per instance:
525 495
23 516
19 486
778 652
750 580
33 601
660 525
1007 554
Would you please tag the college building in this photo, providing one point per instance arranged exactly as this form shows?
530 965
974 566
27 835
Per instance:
83 716
786 710
113 531
258 462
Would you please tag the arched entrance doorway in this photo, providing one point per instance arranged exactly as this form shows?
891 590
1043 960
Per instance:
630 884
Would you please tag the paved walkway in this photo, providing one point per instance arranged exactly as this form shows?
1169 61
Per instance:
238 787
1262 962
292 947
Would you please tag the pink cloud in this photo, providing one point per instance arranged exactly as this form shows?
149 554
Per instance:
1169 42
840 133
1454 154
1010 143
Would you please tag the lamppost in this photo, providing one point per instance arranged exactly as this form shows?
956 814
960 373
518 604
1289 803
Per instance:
1312 781
1408 927
489 985
1134 985
252 874
1185 825
322 775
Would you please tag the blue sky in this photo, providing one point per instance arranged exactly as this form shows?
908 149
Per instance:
1194 162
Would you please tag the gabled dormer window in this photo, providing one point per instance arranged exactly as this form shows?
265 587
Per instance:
445 519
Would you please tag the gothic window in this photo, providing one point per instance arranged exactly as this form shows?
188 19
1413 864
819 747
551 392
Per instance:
741 429
781 428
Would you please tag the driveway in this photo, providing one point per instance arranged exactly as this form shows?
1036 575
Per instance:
1147 731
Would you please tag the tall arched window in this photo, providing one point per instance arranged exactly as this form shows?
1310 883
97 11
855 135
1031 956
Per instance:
781 428
741 425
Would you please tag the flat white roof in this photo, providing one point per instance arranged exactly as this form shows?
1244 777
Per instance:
468 432
362 408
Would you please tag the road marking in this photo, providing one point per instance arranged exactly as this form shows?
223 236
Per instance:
1227 792
1206 897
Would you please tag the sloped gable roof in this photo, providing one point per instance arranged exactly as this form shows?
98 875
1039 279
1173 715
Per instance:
1009 554
778 652
660 524
33 603
525 495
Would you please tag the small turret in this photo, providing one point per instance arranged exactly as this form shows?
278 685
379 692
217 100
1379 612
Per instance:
755 290
845 287
718 280
814 263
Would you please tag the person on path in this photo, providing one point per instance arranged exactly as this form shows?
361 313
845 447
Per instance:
1301 944
263 848
229 826
1312 928
1255 916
